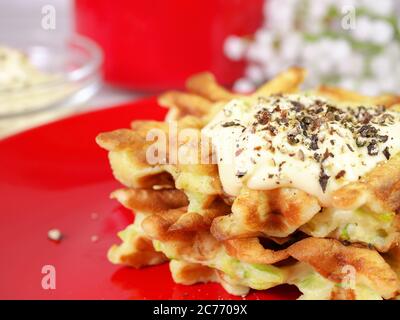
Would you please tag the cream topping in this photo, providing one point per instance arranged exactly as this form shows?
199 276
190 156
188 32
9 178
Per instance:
24 87
300 141
17 72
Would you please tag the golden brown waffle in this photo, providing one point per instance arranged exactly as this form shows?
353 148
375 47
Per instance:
270 213
137 248
261 238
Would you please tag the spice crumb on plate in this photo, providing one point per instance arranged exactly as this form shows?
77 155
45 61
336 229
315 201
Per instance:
55 235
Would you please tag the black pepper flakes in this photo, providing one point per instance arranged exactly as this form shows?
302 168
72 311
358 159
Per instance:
298 106
305 122
350 147
368 131
373 148
317 157
366 119
263 117
323 179
240 174
314 142
326 155
302 122
230 124
272 130
340 174
383 139
386 153
386 118
291 138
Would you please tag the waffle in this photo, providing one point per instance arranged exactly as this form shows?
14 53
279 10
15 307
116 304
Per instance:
256 238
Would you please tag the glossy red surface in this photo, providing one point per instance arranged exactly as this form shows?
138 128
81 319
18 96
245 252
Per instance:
157 44
56 176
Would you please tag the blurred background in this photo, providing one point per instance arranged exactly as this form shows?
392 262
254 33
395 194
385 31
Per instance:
59 57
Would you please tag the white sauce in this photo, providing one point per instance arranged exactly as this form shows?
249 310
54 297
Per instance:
245 156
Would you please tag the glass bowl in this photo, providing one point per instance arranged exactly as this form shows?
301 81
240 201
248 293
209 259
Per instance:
72 68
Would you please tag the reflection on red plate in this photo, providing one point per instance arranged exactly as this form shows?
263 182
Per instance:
56 176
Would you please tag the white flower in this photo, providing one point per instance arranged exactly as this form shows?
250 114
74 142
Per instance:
264 36
313 27
386 67
309 52
382 32
381 65
390 83
393 51
291 45
323 56
369 87
325 66
326 57
364 28
276 65
346 3
352 66
243 86
280 14
318 9
347 83
381 7
254 73
313 79
234 48
340 50
260 53
398 19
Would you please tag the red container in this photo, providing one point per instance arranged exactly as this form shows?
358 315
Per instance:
156 44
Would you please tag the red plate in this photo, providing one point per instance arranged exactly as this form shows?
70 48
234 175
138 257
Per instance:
56 176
